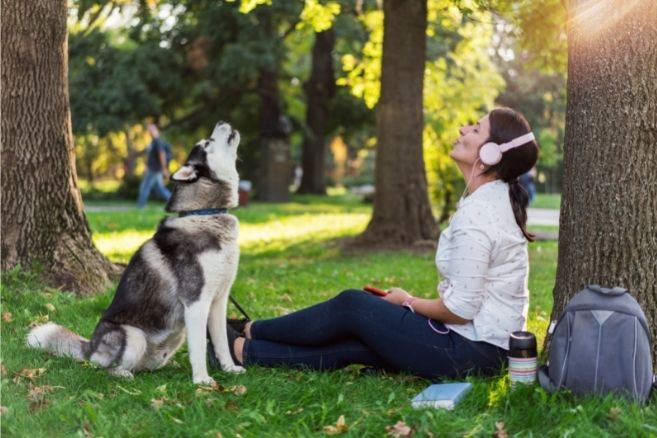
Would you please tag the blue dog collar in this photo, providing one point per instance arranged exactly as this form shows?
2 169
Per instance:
203 212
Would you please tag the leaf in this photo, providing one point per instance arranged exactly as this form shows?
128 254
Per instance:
36 395
3 410
614 413
340 427
232 406
7 317
157 403
500 431
3 369
28 373
50 307
400 429
237 389
161 388
214 387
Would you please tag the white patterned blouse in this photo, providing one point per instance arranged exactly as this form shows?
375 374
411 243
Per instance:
482 258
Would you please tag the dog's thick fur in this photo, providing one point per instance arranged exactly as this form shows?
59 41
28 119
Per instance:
177 282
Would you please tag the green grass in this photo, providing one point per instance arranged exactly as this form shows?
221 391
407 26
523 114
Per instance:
291 257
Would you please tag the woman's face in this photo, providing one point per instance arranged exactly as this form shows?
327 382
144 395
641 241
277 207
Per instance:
466 147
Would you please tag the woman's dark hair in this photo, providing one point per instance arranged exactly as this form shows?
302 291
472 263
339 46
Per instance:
505 125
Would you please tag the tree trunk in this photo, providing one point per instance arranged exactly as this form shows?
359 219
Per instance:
320 89
130 161
608 225
43 223
402 212
275 171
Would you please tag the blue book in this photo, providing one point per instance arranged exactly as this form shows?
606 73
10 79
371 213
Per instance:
441 395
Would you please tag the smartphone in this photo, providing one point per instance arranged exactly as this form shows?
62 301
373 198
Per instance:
375 290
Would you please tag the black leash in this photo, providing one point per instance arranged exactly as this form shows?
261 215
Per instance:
234 301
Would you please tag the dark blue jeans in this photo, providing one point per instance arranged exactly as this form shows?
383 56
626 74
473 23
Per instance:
356 327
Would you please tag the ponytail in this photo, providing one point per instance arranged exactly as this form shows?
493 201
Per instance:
519 202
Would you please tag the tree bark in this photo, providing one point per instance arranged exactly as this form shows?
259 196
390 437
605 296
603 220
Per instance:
275 171
130 161
43 223
402 212
608 225
320 89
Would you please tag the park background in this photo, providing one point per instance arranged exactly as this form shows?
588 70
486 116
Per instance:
303 82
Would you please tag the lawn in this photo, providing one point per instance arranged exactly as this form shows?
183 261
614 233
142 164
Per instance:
292 256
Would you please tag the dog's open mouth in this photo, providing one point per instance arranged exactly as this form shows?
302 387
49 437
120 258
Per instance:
232 135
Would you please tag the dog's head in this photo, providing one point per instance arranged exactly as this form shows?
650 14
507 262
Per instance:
208 179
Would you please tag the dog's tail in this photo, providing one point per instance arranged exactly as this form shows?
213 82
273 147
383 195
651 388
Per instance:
57 340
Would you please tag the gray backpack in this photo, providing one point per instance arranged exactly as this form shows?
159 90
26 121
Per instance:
600 345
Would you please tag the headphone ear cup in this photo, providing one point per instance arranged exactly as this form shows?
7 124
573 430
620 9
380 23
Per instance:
490 154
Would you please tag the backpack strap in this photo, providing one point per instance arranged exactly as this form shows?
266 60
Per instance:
544 379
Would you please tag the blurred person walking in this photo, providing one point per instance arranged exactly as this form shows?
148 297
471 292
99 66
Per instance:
157 168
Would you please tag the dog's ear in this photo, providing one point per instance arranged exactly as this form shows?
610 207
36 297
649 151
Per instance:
186 174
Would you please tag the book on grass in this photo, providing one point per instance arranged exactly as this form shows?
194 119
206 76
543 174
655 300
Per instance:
441 395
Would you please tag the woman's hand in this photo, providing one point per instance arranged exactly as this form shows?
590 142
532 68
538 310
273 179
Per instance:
397 296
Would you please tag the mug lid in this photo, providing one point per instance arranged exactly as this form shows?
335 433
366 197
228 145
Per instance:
522 341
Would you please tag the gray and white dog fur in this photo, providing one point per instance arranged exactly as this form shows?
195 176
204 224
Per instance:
177 282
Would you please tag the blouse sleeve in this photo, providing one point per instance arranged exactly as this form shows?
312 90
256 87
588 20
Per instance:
471 247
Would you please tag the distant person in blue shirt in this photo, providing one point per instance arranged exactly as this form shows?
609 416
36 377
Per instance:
527 181
157 168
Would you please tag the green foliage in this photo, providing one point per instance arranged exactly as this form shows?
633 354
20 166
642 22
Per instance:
460 87
187 64
542 34
291 258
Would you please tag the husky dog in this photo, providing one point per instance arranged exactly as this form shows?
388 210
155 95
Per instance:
177 282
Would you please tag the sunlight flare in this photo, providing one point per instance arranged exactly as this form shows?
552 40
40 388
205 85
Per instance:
593 17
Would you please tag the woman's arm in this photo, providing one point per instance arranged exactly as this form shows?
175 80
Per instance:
431 308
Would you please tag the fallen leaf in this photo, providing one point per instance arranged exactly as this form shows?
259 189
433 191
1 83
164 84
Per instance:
237 389
37 396
28 373
232 405
286 297
3 410
50 307
399 429
37 392
614 413
218 435
6 317
157 403
161 388
340 427
86 428
3 369
210 388
500 431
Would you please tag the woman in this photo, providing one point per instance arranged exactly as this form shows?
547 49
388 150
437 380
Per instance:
482 257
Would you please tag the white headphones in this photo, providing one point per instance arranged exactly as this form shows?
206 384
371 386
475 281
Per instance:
491 153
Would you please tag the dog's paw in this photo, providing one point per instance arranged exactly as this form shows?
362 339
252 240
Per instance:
233 369
203 380
123 373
